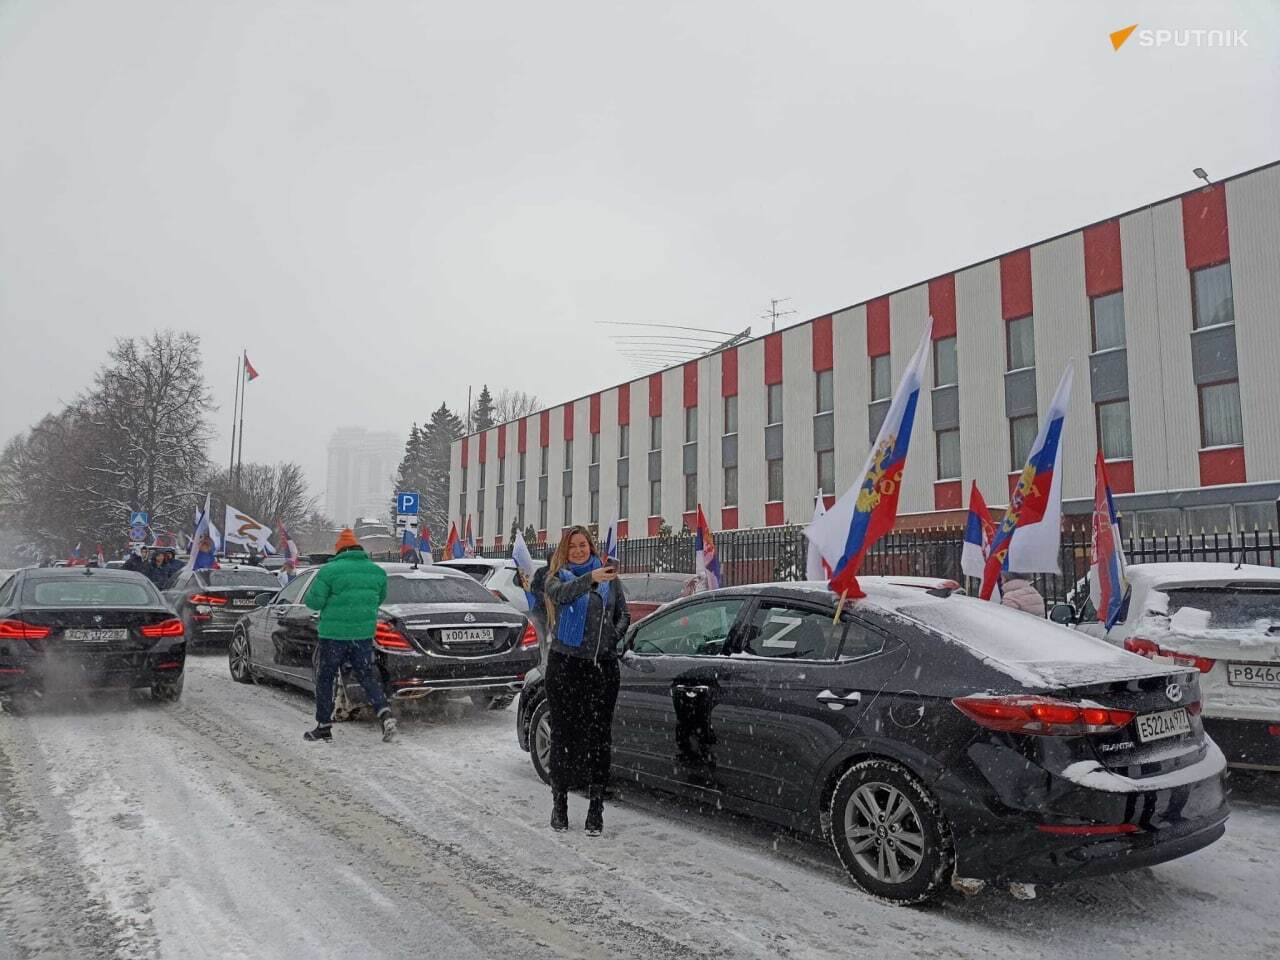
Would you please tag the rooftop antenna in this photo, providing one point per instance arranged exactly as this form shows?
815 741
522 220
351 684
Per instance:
773 314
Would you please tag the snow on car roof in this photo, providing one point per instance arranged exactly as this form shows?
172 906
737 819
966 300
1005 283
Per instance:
1150 574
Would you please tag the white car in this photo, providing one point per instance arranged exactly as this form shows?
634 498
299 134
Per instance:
497 576
1224 619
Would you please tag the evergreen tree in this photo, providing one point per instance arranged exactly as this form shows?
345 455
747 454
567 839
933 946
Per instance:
409 473
434 441
482 414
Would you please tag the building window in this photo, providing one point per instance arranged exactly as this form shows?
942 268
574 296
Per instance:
731 414
1022 434
462 505
595 448
568 454
1220 424
624 501
624 440
690 424
730 486
1108 321
464 479
595 507
482 473
690 491
775 403
1211 299
523 464
568 509
502 470
948 454
655 432
546 460
881 380
480 522
775 481
1113 430
542 513
824 391
655 498
826 471
1022 343
946 369
497 527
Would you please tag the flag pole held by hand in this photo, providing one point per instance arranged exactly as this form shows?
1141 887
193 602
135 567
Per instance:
844 595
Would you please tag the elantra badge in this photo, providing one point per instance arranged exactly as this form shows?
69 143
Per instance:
1174 692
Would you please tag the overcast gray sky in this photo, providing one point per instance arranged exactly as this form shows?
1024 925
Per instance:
386 201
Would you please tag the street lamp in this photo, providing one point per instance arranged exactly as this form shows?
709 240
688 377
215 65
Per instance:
1199 172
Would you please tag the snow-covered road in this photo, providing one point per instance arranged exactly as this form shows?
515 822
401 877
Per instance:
210 829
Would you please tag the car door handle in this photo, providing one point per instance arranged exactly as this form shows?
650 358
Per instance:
837 702
691 689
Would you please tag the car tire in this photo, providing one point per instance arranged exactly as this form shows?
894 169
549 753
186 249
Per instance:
889 833
491 701
20 705
238 658
167 691
540 740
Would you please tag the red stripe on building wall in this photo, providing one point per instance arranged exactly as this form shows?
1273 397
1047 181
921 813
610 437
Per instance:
1222 466
568 421
466 450
1103 268
655 394
691 384
1015 284
522 436
729 373
729 518
502 441
942 305
1204 227
823 354
482 448
948 495
1120 476
544 428
593 414
878 342
624 404
773 359
773 514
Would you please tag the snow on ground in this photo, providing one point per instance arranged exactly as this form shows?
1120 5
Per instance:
210 829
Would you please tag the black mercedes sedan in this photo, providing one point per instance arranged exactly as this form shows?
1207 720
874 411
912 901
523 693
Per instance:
84 628
932 738
211 602
439 633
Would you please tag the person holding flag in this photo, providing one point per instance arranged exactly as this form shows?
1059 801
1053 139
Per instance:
815 568
1108 588
203 545
868 511
533 580
979 531
706 564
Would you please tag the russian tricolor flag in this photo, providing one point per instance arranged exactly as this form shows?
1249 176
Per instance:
1030 535
868 511
1107 584
407 543
705 562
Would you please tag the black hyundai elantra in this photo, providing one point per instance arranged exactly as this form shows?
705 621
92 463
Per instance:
81 628
439 633
930 737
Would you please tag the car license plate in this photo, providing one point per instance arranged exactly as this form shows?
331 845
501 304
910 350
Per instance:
96 636
1159 726
1253 674
243 603
467 635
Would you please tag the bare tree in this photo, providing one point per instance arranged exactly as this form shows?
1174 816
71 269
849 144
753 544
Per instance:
270 493
511 405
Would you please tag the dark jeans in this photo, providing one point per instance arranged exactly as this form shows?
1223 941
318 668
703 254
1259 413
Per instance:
581 695
331 657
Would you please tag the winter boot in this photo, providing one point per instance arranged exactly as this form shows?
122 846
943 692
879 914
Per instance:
323 732
595 812
559 810
388 725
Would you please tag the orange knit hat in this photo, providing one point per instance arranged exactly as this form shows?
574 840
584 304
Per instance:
346 540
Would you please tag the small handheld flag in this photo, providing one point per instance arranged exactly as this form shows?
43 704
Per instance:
1107 584
239 527
408 544
452 546
469 547
705 562
979 530
522 558
424 545
609 548
815 568
102 559
202 548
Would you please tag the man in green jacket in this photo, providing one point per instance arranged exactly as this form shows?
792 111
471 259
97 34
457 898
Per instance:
347 591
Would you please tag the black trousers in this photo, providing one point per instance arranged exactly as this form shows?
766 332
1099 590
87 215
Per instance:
581 695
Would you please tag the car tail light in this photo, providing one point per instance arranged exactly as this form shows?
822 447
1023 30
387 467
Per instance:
1042 716
1273 730
21 630
388 637
211 599
166 628
1193 709
1087 830
530 638
1150 649
169 665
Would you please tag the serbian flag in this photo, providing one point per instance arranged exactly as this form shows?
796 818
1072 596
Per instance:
1107 584
469 546
609 548
408 543
815 568
102 558
1030 535
75 552
203 551
452 546
287 544
979 531
424 545
705 562
868 511
249 372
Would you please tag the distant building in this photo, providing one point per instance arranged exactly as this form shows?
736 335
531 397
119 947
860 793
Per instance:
360 478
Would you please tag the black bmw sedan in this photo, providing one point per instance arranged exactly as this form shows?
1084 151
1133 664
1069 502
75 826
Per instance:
930 737
82 628
211 602
439 633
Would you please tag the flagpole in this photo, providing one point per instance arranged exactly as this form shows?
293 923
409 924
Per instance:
235 403
240 451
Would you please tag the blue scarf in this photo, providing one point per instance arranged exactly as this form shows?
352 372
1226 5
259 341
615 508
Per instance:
571 618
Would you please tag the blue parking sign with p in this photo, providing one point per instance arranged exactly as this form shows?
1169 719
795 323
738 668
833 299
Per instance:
406 503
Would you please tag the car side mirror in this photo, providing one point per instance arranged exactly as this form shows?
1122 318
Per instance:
1062 613
263 599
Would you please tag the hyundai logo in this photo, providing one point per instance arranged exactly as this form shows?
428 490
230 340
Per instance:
1174 692
471 618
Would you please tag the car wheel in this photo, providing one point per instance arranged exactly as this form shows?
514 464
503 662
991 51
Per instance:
19 705
238 658
167 691
540 741
889 833
491 701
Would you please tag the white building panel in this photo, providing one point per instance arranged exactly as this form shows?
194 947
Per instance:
608 456
798 406
980 355
752 473
530 505
710 430
639 495
1253 222
1063 336
908 315
581 460
455 483
673 447
1173 300
555 469
852 385
1143 333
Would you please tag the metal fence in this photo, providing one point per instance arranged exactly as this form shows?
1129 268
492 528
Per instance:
778 553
